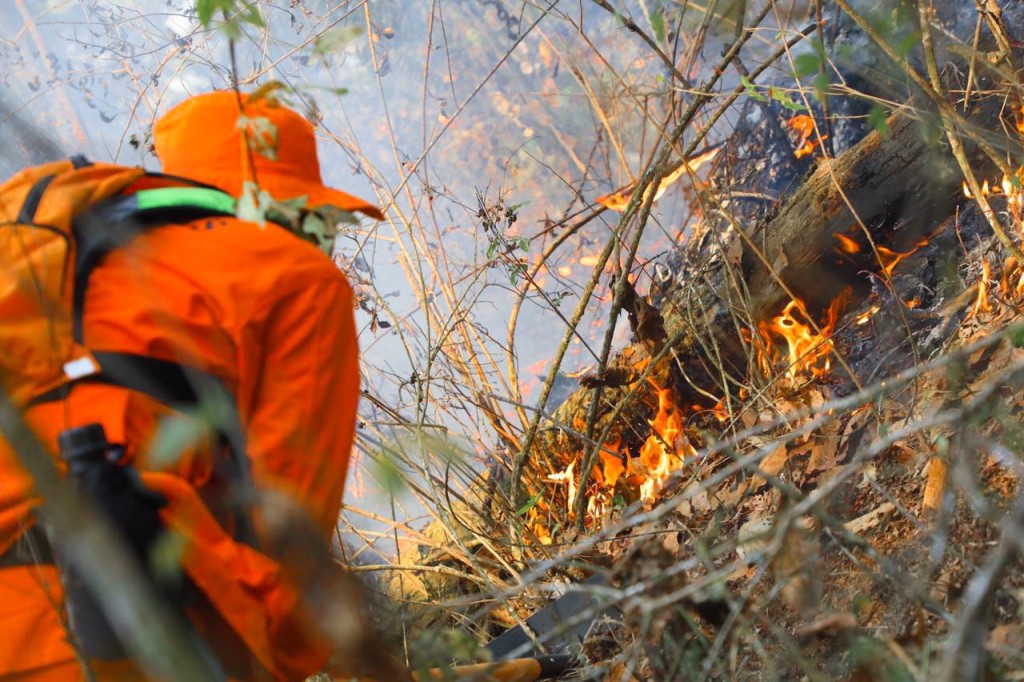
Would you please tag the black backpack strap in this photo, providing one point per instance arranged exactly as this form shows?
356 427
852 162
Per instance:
182 388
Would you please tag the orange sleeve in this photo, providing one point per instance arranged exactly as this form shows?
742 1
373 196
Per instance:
302 349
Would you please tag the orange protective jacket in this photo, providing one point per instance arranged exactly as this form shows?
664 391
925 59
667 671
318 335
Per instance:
272 317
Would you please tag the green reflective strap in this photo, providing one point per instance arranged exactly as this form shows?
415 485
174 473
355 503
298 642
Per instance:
193 197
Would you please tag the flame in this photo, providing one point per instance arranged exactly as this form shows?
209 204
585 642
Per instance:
1012 270
982 303
808 351
664 450
802 127
847 245
1010 186
567 476
867 315
662 453
617 201
889 259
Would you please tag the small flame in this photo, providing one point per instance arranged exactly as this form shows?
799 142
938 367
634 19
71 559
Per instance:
802 127
847 245
618 201
889 259
567 476
1009 186
1011 270
864 317
982 303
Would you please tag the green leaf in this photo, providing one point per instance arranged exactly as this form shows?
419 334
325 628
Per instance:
317 228
907 43
389 475
806 64
253 204
335 39
877 120
1016 336
165 557
530 504
524 243
783 98
821 83
657 18
176 435
260 134
205 9
752 90
232 29
251 15
492 249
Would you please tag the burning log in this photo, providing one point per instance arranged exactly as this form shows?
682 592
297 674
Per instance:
864 211
895 189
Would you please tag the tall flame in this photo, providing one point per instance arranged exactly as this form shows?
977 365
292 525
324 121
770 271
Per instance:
664 450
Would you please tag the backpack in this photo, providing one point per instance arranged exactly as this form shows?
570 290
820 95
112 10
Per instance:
57 223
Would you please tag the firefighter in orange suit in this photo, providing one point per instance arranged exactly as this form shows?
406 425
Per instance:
268 314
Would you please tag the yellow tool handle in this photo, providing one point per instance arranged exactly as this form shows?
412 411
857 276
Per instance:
517 670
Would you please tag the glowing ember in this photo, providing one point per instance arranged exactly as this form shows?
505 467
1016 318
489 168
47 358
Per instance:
805 140
808 351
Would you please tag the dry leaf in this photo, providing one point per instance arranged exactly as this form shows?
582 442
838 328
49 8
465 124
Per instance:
796 565
771 465
870 520
754 538
824 455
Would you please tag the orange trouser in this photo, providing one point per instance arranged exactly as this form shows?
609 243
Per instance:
33 638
